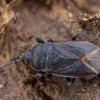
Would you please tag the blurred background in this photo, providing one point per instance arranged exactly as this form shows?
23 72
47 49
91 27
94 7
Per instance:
55 19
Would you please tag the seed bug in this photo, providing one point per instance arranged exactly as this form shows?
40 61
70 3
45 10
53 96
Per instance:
72 59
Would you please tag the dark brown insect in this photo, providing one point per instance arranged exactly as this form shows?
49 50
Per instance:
72 59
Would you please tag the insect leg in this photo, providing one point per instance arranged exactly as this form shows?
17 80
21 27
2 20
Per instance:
84 81
38 39
49 40
70 81
48 77
27 78
39 74
75 36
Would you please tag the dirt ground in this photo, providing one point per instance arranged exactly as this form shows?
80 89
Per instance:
56 19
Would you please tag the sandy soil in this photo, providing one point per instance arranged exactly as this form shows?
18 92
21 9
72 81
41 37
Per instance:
58 20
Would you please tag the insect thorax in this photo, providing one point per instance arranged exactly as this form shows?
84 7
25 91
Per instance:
41 54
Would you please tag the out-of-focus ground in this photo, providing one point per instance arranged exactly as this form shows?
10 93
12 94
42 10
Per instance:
56 19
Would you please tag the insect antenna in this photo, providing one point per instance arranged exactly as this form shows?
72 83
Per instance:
14 31
16 43
9 63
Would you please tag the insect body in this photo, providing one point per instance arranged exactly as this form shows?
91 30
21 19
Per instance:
72 59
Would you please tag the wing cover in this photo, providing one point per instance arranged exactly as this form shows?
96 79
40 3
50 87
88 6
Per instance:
75 48
75 70
66 58
93 59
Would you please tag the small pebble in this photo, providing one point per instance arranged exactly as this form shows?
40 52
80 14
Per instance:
1 86
83 90
95 85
